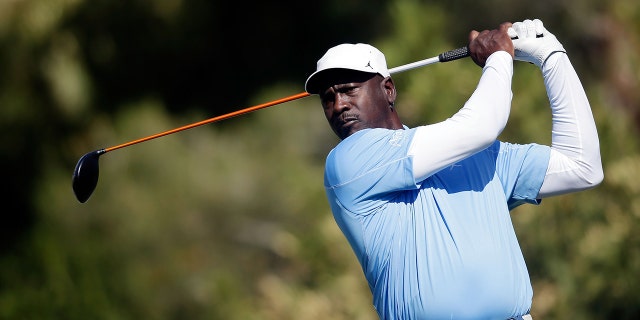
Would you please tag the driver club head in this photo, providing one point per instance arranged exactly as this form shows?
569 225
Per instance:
85 175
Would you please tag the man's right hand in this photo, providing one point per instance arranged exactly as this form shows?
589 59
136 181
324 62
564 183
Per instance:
483 44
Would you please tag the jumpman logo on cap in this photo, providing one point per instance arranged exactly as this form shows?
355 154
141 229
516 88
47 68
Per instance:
369 65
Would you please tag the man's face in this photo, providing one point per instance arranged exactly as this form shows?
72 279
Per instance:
354 100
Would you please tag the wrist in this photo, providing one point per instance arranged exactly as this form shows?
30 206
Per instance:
551 59
499 56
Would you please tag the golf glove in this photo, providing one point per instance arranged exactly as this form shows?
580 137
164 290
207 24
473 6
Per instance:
532 42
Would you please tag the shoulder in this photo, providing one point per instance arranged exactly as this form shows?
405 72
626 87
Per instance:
507 155
514 149
370 143
366 150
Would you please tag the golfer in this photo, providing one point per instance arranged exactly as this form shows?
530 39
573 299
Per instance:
426 209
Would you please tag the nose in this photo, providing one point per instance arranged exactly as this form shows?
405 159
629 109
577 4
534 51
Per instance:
340 103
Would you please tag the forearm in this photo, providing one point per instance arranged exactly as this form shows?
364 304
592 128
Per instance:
473 128
575 158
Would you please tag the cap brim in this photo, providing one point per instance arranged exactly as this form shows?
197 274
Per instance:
317 78
311 86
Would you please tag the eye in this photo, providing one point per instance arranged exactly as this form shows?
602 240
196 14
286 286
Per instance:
348 89
327 97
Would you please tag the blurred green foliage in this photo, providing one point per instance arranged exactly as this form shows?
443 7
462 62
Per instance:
230 221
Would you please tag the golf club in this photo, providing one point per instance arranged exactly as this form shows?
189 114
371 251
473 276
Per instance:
85 175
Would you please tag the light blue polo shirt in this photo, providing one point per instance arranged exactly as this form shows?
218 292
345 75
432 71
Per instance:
442 248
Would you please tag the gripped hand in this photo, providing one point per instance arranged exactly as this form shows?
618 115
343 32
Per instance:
533 42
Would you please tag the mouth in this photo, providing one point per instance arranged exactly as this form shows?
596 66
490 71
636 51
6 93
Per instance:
345 124
346 121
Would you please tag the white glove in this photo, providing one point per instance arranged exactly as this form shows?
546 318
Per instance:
532 42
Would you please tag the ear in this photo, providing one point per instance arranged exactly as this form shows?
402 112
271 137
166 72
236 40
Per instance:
390 90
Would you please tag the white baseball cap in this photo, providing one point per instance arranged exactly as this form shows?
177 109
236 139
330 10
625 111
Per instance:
358 57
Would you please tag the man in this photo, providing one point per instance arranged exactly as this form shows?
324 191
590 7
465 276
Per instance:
426 209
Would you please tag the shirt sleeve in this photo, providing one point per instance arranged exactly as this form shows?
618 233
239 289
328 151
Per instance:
521 169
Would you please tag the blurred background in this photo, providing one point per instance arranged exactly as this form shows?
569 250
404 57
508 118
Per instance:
230 220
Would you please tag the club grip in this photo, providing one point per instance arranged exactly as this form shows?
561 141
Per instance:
454 54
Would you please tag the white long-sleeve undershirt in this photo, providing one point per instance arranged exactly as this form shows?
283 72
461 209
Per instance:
473 128
575 152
